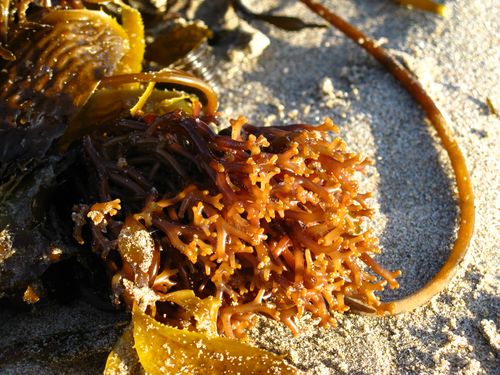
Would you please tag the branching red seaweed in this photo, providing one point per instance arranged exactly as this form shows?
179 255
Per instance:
268 220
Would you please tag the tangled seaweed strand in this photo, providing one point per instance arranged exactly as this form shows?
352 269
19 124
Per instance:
464 186
267 220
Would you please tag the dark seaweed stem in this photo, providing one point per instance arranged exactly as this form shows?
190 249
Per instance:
168 141
464 185
100 170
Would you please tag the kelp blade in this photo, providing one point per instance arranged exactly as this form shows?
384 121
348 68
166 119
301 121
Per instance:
60 62
203 310
166 350
133 25
427 5
123 358
176 41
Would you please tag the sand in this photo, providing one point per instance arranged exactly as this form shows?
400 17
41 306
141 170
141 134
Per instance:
457 59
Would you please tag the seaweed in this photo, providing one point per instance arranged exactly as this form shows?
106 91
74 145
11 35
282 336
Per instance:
199 230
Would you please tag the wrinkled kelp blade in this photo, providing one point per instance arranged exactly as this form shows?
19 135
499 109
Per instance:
59 64
166 350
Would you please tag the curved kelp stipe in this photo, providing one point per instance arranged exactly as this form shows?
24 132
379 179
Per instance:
169 76
464 185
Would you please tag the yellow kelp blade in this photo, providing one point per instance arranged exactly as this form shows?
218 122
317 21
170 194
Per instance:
203 310
166 350
427 5
134 27
123 358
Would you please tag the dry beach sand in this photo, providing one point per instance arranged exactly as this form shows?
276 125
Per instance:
315 73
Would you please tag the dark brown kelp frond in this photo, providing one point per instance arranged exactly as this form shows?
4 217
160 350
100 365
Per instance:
48 55
465 198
